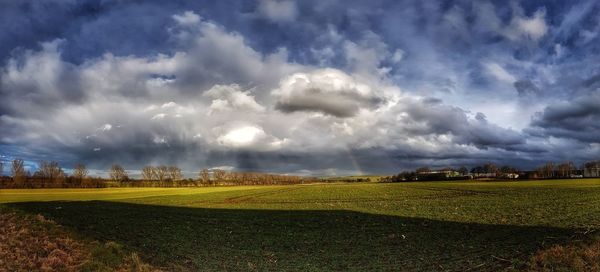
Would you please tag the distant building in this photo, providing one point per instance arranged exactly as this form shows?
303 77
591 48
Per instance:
484 175
509 175
591 169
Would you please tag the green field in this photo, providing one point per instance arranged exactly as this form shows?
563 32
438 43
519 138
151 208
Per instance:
360 227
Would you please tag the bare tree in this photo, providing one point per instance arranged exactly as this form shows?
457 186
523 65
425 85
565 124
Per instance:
423 170
549 169
149 173
161 172
50 171
490 168
117 173
80 171
18 167
546 171
219 175
1 169
18 171
572 168
204 176
174 173
565 169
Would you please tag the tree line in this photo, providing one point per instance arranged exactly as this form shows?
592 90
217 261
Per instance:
490 170
51 175
47 175
558 170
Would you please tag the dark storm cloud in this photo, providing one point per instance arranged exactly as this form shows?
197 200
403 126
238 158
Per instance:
299 86
526 88
577 119
333 105
592 83
24 24
437 118
96 27
39 80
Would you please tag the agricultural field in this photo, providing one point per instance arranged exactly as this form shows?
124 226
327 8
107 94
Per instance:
440 226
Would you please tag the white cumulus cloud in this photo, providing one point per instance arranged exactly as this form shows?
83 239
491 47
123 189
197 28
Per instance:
329 91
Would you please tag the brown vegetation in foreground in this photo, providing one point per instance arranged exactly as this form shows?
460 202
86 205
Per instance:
33 243
583 257
29 244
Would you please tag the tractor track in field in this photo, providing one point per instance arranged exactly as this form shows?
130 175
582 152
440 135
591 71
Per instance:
253 198
247 197
462 191
321 201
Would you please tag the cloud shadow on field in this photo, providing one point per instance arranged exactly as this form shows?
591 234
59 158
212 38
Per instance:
239 239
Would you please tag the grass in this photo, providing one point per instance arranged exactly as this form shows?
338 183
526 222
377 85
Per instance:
34 243
577 256
452 226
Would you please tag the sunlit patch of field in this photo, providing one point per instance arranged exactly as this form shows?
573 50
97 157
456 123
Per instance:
24 195
360 226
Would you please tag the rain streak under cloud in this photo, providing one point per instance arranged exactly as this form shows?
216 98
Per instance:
303 87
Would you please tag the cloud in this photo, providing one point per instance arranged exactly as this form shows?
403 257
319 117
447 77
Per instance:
498 72
532 28
572 120
231 60
105 127
39 79
231 97
242 136
486 18
526 88
188 18
270 85
398 55
519 29
418 117
278 10
328 91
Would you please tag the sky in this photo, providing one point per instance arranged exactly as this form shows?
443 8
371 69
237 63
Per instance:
299 87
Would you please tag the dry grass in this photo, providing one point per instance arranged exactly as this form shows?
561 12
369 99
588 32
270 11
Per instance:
134 263
31 244
34 243
582 257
